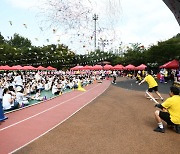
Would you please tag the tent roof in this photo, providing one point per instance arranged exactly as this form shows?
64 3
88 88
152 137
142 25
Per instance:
118 67
6 67
29 68
76 68
108 67
174 64
141 67
87 67
97 67
41 68
130 67
51 68
16 67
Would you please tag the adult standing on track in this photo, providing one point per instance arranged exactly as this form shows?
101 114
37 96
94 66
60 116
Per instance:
171 114
153 86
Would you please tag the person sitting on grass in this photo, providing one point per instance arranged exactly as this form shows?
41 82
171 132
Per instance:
38 96
56 89
170 113
8 101
21 96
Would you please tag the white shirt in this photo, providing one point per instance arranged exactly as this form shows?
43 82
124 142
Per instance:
54 89
6 101
1 93
18 80
19 97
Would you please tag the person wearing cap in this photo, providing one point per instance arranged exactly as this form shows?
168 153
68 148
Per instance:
170 113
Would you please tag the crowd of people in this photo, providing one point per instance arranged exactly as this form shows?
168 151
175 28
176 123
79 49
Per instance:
17 88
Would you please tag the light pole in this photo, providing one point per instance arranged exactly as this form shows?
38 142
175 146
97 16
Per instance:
95 18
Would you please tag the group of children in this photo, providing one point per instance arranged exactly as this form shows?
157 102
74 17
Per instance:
17 88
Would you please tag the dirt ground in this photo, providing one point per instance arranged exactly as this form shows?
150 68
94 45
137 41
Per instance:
120 121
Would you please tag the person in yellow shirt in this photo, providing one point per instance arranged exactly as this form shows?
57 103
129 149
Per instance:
153 86
170 113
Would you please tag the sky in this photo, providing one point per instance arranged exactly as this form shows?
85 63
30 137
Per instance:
119 21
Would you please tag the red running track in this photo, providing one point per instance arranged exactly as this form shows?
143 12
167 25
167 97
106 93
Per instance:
24 126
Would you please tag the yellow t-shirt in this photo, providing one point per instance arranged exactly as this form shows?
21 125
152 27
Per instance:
139 77
151 81
172 104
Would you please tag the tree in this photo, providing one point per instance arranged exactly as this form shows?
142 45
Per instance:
2 41
18 41
135 54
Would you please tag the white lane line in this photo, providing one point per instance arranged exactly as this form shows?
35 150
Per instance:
60 122
47 109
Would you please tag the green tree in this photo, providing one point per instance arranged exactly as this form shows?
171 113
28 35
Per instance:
18 41
2 40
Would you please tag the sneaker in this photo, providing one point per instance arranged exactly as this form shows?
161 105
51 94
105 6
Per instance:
158 129
177 128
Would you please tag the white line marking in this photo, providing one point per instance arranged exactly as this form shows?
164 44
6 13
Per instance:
60 122
152 97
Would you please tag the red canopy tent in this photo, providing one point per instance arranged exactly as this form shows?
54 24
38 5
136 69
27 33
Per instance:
16 67
29 68
97 67
174 64
118 67
108 67
6 67
87 67
130 67
76 68
51 68
141 67
41 68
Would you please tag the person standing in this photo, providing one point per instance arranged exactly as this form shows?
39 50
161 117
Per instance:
165 76
114 77
170 113
153 86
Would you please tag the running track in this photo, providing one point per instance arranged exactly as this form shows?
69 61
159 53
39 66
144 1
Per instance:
25 126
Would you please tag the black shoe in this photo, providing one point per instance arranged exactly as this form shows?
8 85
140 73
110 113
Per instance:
177 128
158 129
